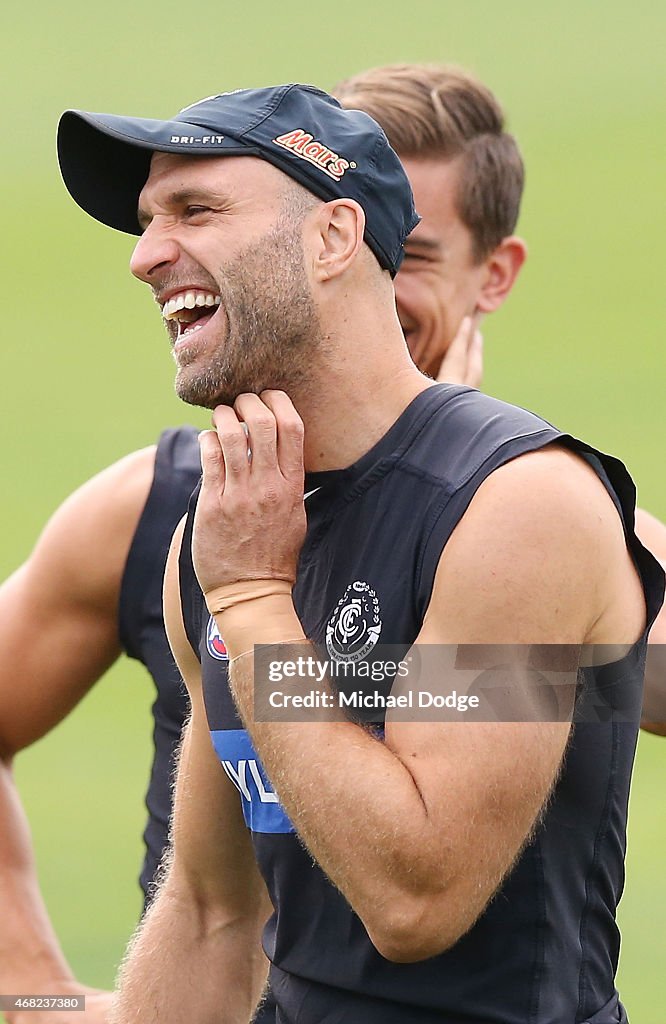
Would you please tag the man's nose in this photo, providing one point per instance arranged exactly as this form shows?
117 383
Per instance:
155 250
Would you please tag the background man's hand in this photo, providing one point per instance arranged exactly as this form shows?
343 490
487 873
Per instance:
98 1006
250 519
463 359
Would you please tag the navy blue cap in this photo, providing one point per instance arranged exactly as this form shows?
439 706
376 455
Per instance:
333 152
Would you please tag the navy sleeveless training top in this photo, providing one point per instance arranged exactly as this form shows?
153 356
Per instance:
545 949
141 625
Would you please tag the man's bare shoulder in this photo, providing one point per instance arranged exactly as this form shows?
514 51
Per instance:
72 582
543 534
85 544
118 491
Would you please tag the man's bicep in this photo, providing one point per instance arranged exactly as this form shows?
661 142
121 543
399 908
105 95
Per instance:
491 724
513 602
482 786
482 777
59 611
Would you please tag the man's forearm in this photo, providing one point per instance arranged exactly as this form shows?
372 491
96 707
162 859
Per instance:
346 791
31 959
403 867
350 772
188 961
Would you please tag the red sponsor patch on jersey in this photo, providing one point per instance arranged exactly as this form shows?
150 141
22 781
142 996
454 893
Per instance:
214 642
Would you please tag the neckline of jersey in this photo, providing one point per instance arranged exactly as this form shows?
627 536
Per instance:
397 437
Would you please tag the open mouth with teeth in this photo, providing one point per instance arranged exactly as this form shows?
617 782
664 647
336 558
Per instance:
191 310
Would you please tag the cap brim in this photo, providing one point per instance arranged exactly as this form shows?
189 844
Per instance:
105 159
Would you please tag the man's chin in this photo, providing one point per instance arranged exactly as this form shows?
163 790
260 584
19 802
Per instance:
206 394
208 390
202 393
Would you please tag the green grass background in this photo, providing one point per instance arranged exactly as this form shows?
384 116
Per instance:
86 374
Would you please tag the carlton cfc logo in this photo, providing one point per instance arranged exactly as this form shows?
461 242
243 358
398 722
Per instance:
214 641
354 627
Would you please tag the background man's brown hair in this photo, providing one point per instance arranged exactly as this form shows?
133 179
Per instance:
432 111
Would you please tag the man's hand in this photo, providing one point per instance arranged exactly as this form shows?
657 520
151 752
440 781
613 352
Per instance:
463 359
98 1005
250 519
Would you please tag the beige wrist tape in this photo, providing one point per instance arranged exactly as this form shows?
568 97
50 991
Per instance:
221 598
254 612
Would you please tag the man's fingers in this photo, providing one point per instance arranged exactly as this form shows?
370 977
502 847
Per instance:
233 442
261 431
453 368
289 434
463 361
212 460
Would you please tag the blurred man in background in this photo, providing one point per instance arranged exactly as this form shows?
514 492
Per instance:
96 572
467 175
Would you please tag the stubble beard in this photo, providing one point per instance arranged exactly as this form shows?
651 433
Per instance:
272 325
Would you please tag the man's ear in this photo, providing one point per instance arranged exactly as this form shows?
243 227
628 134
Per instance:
502 266
338 237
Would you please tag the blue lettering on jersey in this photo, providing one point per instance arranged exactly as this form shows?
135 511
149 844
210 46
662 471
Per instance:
261 809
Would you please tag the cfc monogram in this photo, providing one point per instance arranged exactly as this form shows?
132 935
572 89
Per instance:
304 145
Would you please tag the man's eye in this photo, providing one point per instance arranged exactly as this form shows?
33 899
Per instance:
194 211
415 257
